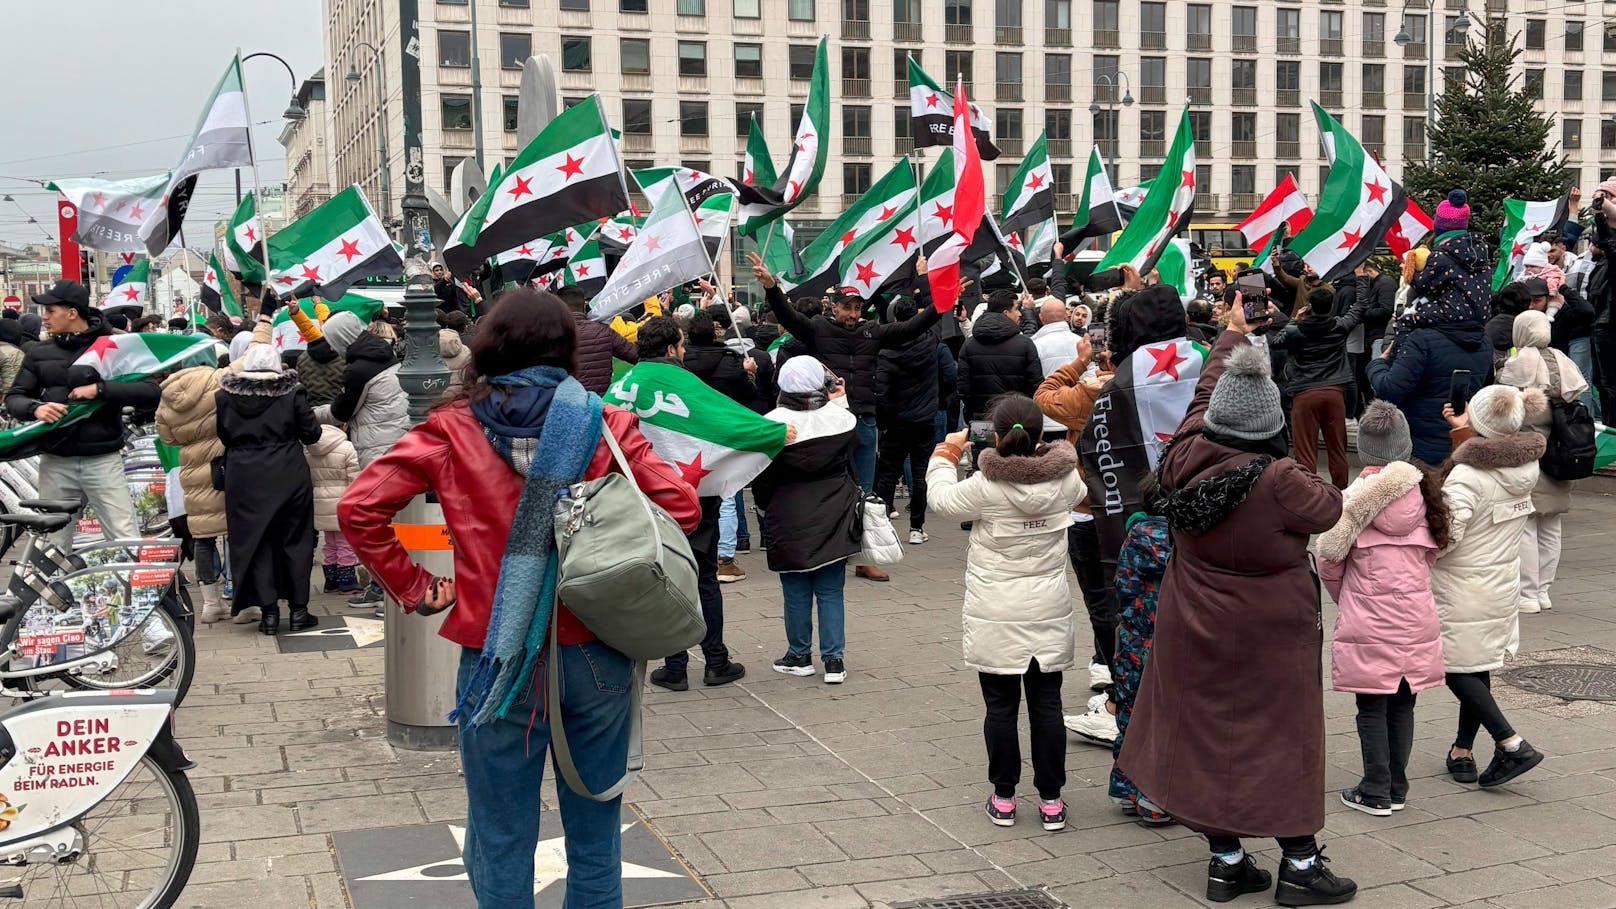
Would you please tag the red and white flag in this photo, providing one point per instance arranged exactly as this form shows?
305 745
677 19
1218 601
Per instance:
1284 205
1408 230
970 202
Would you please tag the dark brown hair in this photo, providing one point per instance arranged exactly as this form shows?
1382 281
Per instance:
529 328
1018 422
1436 510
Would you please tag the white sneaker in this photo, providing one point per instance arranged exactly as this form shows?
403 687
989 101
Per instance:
248 616
1543 603
1528 607
893 514
1099 677
916 537
1097 726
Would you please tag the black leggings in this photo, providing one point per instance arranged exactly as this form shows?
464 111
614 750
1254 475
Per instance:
1293 846
1474 690
1001 694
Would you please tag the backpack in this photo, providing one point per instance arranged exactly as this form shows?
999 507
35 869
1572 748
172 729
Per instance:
1570 452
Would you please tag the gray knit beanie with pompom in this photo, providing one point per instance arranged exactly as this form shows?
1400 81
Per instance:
1383 435
1245 402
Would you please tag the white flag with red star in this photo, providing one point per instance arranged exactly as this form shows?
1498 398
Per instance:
331 248
131 291
667 253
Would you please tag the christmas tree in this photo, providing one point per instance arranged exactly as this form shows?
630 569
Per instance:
1488 140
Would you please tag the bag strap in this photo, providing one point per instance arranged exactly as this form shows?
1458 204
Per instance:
617 453
558 729
1553 363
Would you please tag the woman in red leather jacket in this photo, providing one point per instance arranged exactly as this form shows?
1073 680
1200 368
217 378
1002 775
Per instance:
494 454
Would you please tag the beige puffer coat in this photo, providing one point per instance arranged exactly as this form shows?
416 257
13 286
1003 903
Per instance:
1528 368
185 418
455 355
333 464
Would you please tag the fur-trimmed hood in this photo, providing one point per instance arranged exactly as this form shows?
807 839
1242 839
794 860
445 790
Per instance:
1377 499
259 384
1514 450
1049 462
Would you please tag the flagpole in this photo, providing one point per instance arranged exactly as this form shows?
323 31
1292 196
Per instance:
768 238
258 191
723 241
621 179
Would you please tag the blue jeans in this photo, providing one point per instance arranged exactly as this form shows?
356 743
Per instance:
1581 351
742 532
869 441
801 590
503 763
727 527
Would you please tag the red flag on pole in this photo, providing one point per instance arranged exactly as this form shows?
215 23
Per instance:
970 202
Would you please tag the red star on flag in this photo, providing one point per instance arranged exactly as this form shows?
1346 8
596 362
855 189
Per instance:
1036 182
652 243
796 187
692 472
1014 241
1350 239
131 293
135 210
847 238
349 250
903 237
1377 193
887 211
1535 228
211 278
748 178
574 167
1188 179
931 100
557 253
1167 360
100 348
312 273
252 235
866 272
1517 249
285 279
944 213
100 200
582 270
522 188
524 250
1164 437
625 234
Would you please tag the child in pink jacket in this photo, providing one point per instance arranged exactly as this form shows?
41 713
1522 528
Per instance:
1376 562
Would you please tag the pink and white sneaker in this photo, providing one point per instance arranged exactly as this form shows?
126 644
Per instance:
1002 811
1052 813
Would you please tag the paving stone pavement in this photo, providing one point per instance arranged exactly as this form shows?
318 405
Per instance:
783 791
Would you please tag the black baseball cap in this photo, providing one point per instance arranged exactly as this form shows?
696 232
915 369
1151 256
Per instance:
1535 287
65 293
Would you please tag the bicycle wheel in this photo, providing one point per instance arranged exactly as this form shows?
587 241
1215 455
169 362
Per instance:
139 844
160 654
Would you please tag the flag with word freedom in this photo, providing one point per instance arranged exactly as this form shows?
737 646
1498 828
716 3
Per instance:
668 252
111 212
931 116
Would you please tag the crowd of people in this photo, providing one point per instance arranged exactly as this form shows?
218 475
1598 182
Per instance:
1172 445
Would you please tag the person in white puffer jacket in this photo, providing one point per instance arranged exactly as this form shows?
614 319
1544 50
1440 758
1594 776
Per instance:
333 464
1018 608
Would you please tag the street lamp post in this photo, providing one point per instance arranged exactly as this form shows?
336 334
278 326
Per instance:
294 111
1403 39
381 124
1110 83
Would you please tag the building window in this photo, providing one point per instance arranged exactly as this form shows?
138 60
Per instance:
900 65
637 116
1374 131
1288 128
796 115
960 63
1607 134
692 118
1374 26
1153 79
1058 14
748 9
1415 26
1245 22
1281 171
1106 15
1243 74
957 12
1153 17
1007 123
636 54
508 109
1153 126
1007 69
800 60
1243 127
855 178
1243 179
1570 133
748 61
1533 83
1330 77
456 111
1330 25
574 54
1148 172
856 63
579 5
1002 174
1534 34
856 121
800 10
1288 75
1007 14
745 112
454 48
515 3
692 7
906 11
1198 19
1374 78
1610 37
1201 131
514 49
1198 73
1607 87
1413 80
1288 23
1573 36
631 6
901 127
1573 85
1058 124
1414 132
692 58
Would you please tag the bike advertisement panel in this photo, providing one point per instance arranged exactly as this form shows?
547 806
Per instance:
108 604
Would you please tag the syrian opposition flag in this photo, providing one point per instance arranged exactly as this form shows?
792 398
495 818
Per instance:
970 204
1177 269
216 293
617 233
244 243
1409 230
717 445
1285 205
931 116
1030 197
111 212
1358 205
1040 240
668 252
1166 212
1265 257
587 269
568 175
697 185
712 219
131 291
810 145
1523 222
1098 214
757 170
821 260
285 335
332 247
223 138
880 257
1136 412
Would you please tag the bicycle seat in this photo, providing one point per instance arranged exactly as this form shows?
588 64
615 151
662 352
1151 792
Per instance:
64 506
8 607
41 523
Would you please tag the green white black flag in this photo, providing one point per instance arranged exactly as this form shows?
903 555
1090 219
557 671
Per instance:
667 253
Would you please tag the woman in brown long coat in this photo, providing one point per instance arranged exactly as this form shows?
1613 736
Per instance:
1228 731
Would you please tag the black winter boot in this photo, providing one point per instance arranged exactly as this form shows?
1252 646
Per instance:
302 619
269 620
1315 885
1224 881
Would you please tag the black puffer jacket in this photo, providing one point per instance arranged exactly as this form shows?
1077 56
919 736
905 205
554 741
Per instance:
724 370
319 371
597 346
906 380
48 375
1574 320
851 352
1316 349
996 358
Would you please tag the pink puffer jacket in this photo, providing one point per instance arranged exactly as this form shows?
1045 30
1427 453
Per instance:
1376 563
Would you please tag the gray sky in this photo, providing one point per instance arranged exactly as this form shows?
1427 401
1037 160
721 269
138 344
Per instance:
113 88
